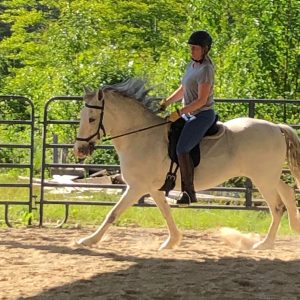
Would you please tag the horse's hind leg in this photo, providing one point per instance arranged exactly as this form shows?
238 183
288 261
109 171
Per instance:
175 236
277 208
128 199
288 197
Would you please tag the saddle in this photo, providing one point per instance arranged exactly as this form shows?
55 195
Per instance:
173 136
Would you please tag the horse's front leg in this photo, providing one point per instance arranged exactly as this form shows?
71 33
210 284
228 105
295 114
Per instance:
128 199
175 235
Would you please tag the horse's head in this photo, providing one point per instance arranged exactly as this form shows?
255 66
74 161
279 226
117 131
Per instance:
124 109
91 123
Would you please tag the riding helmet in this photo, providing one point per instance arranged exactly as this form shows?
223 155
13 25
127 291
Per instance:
200 38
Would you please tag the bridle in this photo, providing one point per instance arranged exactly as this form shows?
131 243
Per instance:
101 127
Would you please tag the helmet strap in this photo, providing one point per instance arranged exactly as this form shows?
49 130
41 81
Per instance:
198 61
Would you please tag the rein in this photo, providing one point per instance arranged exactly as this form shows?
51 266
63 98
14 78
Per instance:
101 127
135 131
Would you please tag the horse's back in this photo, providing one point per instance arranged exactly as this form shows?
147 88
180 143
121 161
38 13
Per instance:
258 144
244 123
255 133
244 139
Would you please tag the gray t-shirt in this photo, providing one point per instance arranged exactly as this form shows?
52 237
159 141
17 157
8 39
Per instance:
196 74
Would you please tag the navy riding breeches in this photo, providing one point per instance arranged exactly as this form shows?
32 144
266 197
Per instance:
194 130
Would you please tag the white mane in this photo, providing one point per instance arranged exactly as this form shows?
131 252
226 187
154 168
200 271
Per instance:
135 89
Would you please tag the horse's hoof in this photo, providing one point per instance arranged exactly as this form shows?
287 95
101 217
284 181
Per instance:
84 242
263 246
171 243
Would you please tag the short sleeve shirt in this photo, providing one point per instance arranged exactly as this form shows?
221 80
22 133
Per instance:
196 74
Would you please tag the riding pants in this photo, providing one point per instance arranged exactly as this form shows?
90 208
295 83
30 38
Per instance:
194 130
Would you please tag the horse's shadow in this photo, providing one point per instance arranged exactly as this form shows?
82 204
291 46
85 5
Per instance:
158 278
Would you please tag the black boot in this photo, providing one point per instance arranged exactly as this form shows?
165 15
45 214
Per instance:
187 180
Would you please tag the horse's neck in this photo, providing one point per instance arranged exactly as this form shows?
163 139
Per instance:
126 115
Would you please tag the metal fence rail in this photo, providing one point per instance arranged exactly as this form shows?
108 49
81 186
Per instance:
252 106
247 190
26 147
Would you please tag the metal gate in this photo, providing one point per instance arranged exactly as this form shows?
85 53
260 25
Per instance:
250 110
10 120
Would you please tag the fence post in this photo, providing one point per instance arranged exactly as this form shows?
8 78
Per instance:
248 193
55 150
248 184
251 111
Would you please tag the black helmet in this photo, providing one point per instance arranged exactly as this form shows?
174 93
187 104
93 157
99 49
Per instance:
200 38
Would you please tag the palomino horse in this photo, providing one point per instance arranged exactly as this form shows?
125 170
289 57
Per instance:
249 147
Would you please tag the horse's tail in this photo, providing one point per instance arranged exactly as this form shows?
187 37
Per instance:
292 150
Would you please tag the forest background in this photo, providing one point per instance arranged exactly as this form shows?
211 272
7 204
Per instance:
50 48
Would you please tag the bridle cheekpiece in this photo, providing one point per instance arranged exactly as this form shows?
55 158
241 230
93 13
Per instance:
100 125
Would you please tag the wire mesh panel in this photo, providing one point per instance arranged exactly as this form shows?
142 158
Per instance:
16 153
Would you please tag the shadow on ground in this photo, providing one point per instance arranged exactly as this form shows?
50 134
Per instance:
159 278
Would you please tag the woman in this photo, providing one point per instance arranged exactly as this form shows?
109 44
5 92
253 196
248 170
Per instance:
196 90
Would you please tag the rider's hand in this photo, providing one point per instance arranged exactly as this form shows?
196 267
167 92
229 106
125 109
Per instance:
174 116
163 105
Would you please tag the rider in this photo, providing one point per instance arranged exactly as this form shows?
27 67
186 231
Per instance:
196 90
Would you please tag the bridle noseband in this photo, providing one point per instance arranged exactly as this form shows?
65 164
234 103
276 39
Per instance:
100 125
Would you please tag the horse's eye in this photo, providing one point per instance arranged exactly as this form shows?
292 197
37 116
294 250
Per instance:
91 120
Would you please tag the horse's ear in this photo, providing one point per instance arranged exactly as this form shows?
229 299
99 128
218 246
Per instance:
100 95
88 94
88 90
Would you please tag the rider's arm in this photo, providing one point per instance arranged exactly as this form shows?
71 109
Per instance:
203 94
176 96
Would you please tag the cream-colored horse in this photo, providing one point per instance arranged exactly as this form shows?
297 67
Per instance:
253 148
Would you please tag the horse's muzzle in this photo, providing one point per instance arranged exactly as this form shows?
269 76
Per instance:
84 150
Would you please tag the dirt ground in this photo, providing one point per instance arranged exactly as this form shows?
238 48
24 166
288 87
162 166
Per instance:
45 264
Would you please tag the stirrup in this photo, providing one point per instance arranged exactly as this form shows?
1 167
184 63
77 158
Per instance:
169 183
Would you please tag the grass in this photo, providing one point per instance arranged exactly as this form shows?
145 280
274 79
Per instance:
198 219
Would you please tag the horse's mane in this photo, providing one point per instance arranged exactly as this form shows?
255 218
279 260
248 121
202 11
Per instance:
135 88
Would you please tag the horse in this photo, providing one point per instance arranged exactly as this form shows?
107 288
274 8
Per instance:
252 148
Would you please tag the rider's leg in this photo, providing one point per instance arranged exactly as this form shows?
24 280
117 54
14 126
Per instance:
191 135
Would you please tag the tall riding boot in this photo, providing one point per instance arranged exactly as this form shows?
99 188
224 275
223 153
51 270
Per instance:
187 179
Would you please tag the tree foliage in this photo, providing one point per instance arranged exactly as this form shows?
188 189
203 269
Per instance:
50 48
57 47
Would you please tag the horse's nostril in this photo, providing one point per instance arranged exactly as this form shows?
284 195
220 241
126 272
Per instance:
80 149
83 149
91 147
